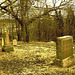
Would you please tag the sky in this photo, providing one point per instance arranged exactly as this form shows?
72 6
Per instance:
1 0
48 2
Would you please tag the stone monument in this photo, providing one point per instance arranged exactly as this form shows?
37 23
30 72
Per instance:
64 51
7 46
7 41
0 44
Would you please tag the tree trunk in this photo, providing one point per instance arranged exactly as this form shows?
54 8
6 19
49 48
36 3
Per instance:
19 33
12 31
24 33
27 33
39 32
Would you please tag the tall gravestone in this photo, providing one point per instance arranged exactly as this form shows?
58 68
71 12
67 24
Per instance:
7 41
0 44
64 51
7 46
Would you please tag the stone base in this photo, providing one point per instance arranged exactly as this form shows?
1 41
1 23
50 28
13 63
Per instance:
7 48
69 61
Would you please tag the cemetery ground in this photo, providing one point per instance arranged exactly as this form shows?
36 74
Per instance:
33 58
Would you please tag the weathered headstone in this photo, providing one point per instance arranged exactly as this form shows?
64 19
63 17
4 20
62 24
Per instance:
7 46
52 43
0 44
14 42
7 41
64 51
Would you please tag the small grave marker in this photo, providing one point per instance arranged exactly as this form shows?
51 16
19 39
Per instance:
14 42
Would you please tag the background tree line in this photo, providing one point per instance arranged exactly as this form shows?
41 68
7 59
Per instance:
40 27
50 27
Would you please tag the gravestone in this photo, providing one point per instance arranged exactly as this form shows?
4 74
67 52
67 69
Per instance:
0 44
14 42
7 46
64 51
7 41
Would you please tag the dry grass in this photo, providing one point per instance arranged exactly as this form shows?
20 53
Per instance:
32 59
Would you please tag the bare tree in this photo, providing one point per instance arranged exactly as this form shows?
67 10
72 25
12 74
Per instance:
23 7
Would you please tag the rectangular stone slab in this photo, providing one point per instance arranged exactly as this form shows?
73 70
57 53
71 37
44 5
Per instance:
64 47
67 62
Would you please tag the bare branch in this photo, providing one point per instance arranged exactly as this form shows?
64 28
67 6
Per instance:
45 13
15 15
